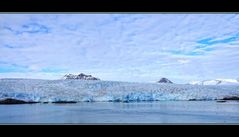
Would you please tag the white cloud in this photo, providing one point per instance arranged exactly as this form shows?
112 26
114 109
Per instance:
183 61
127 47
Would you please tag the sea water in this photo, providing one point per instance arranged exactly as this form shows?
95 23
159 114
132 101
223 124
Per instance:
157 112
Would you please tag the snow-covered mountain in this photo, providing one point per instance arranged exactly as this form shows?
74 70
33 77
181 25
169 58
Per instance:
81 76
33 90
216 82
164 80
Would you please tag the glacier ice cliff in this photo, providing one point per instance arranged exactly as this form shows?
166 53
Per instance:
88 90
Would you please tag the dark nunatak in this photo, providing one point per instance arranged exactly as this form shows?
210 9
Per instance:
164 80
81 76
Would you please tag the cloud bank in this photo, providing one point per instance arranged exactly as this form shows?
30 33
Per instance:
120 47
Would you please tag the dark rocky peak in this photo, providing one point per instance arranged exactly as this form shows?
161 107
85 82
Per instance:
81 76
164 80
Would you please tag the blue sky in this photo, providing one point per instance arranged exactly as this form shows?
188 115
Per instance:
120 47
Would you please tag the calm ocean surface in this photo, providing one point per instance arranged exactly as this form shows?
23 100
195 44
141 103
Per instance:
122 113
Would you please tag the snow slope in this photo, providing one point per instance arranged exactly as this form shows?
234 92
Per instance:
216 82
88 90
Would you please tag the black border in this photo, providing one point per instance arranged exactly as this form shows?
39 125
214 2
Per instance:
119 130
119 6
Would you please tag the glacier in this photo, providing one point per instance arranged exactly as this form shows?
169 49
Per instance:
38 90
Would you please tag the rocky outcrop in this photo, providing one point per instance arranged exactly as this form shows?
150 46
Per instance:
81 76
231 98
14 101
63 102
164 80
221 101
194 99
